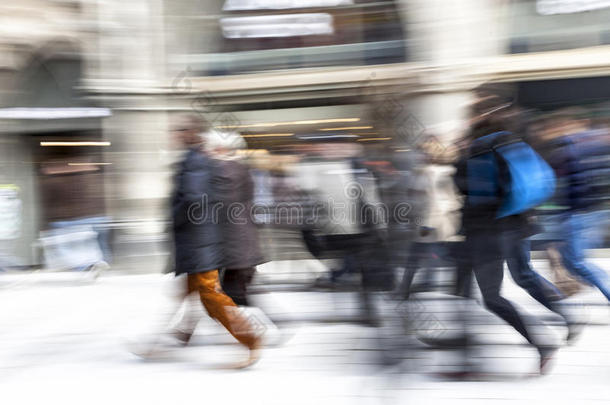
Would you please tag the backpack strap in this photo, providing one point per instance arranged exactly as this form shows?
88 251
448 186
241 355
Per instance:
490 142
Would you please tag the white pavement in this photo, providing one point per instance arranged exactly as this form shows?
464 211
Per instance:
65 342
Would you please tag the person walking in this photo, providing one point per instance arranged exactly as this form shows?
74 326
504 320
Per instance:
490 239
579 156
435 207
235 190
198 235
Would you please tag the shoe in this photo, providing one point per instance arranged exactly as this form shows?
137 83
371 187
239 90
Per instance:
449 343
159 345
546 355
575 322
463 375
324 282
574 331
181 336
254 356
147 348
264 328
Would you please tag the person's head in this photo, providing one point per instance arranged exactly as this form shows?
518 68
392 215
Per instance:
431 148
186 130
491 109
488 114
566 121
575 120
223 144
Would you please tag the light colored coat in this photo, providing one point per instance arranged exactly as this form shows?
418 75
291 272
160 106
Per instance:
436 202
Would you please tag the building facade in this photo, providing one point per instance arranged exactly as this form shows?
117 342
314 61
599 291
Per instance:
113 72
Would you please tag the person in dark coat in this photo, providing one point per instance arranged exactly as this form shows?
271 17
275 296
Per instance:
579 156
235 187
491 241
198 235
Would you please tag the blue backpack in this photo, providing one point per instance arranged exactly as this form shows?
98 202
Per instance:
505 171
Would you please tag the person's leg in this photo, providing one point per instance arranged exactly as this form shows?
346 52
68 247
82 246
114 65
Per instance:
565 281
235 284
431 263
183 323
184 327
313 243
538 287
411 267
372 253
489 272
222 308
462 255
170 324
364 253
344 269
519 265
572 252
596 225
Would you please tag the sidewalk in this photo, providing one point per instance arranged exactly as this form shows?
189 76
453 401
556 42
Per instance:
65 343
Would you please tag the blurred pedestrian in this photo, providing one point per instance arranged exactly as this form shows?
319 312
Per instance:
348 192
235 190
435 211
240 237
198 234
580 157
491 236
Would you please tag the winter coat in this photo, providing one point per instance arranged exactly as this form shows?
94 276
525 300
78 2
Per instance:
235 192
483 216
344 190
435 202
582 162
196 227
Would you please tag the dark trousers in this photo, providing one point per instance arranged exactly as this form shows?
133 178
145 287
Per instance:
463 268
421 256
367 254
235 284
487 253
364 252
538 287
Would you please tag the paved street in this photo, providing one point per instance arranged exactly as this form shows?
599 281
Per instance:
65 341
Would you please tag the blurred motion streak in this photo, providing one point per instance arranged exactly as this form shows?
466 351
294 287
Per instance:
341 185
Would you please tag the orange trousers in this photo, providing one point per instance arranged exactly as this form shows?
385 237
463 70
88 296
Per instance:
221 307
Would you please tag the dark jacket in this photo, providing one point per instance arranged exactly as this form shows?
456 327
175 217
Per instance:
197 232
478 217
582 161
235 190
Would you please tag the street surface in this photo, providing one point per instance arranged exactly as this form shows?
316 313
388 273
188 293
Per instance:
64 340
